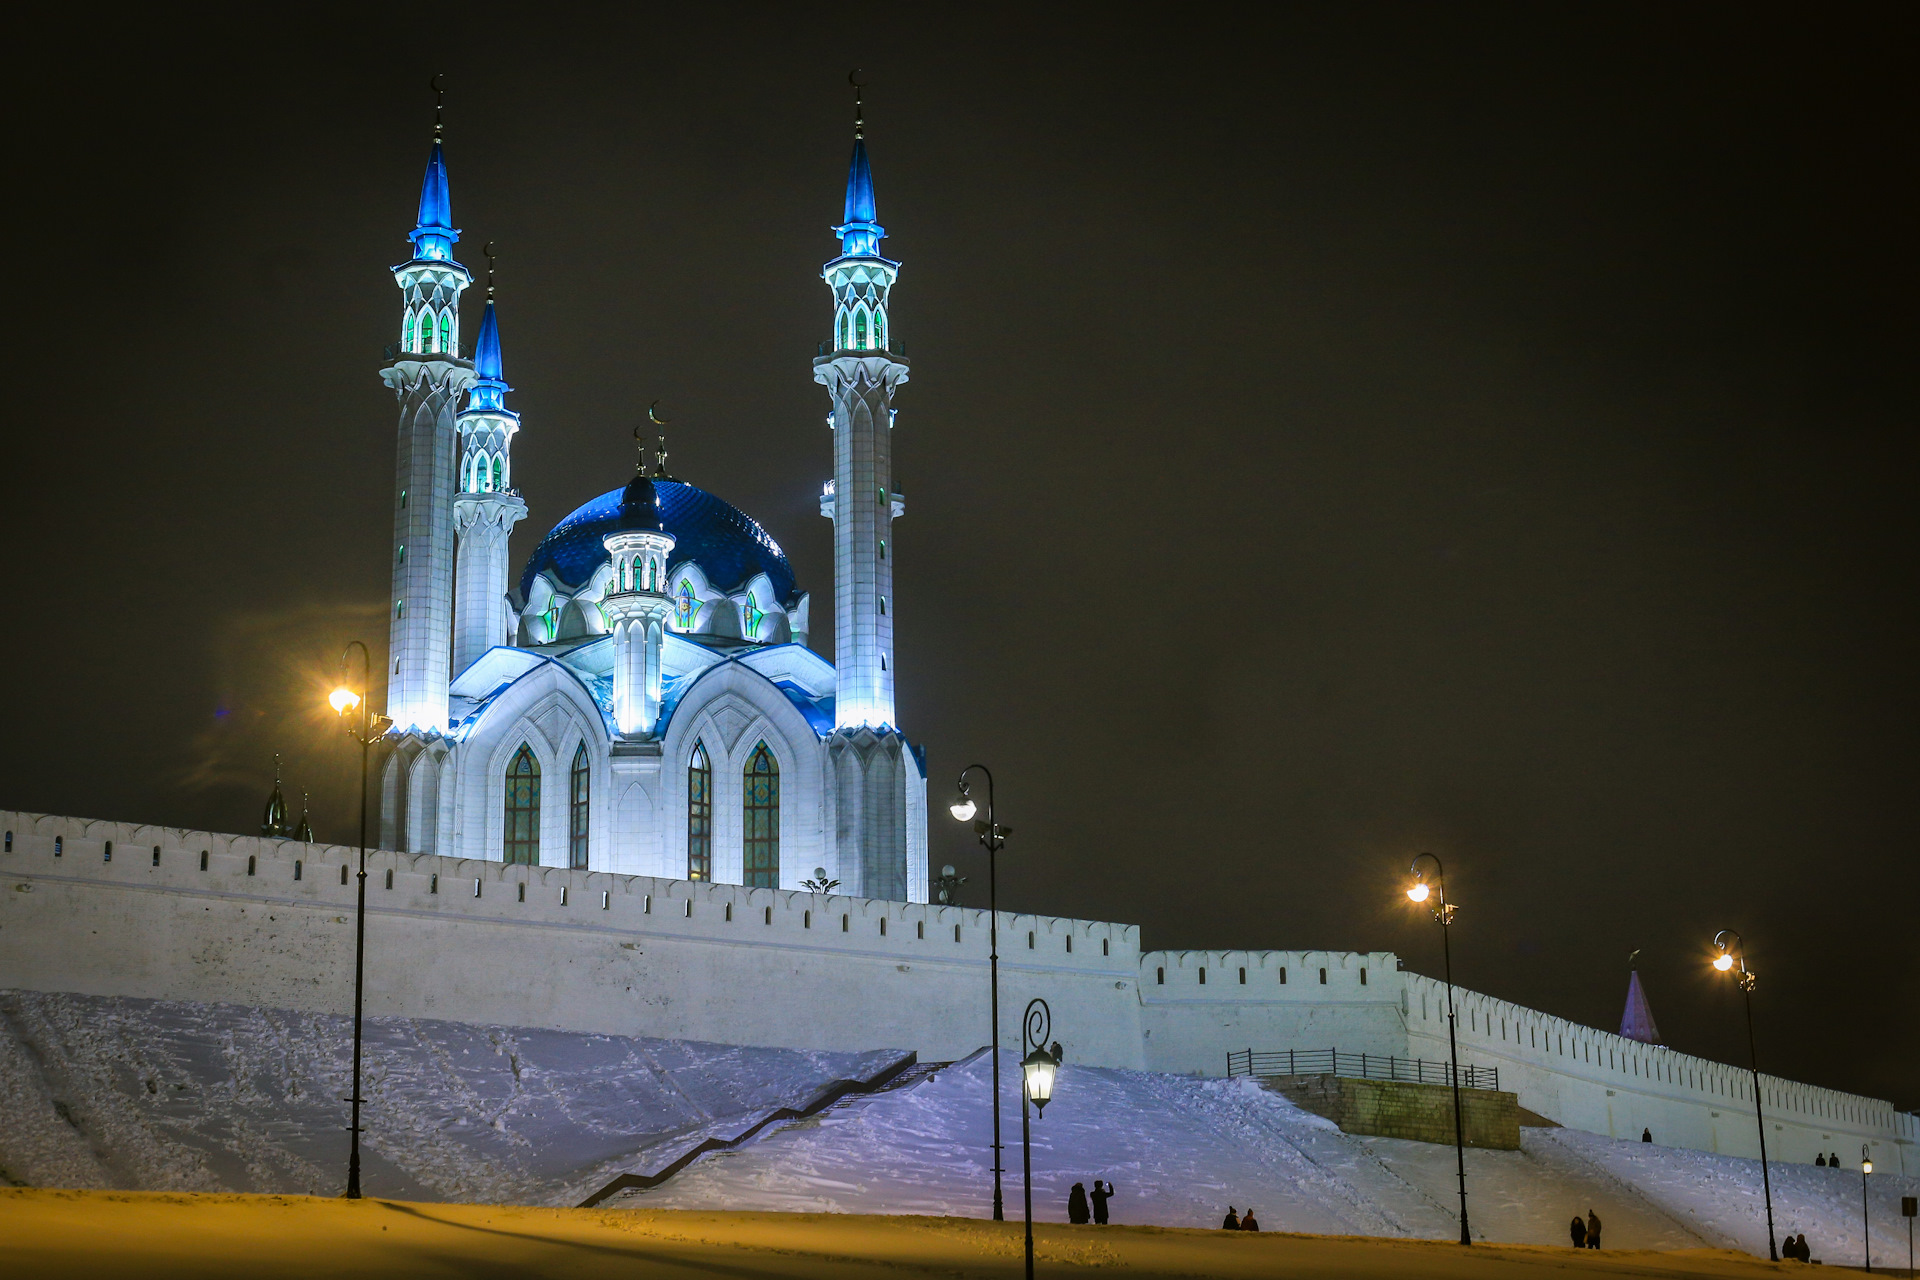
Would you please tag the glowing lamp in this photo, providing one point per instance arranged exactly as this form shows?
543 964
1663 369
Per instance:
1866 1166
1723 962
1418 892
963 809
343 700
1040 1068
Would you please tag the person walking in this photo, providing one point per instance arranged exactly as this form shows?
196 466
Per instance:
1646 1135
1102 1192
1248 1222
1232 1222
1821 1160
1077 1204
1593 1230
1579 1231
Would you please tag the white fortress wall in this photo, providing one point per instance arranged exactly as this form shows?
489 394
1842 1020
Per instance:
487 942
1198 1006
269 922
1606 1083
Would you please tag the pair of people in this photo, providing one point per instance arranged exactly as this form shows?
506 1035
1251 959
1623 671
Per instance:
1824 1163
1077 1202
1239 1221
1796 1250
1586 1234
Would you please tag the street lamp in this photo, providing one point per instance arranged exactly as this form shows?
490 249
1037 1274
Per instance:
1419 891
1037 1072
993 837
1728 962
366 729
1866 1219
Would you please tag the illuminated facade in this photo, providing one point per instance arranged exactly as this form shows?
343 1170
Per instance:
641 699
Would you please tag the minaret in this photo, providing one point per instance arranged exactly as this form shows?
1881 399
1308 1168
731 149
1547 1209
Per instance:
637 604
873 772
486 507
860 375
273 819
427 376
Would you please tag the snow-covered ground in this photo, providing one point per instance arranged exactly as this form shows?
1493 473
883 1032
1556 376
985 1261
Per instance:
172 1095
1181 1149
163 1095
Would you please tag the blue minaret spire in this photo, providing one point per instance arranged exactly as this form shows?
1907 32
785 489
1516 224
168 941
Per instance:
485 508
878 848
428 378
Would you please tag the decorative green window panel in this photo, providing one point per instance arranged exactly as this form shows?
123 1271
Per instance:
446 332
760 828
499 473
699 815
578 809
686 606
752 617
550 616
399 608
406 334
860 329
522 837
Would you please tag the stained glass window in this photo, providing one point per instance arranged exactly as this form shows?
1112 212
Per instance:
523 809
761 828
860 329
499 473
582 781
550 617
446 332
686 606
752 617
699 815
406 334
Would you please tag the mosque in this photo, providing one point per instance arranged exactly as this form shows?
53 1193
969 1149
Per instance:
641 699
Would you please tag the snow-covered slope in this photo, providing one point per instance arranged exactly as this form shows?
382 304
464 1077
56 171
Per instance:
170 1095
1181 1149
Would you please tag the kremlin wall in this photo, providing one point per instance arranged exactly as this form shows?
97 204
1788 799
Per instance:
118 909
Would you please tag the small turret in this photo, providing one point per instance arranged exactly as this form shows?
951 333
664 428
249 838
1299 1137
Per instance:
1636 1023
636 603
303 830
273 820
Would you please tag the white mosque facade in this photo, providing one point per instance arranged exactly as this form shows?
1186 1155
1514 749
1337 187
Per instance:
640 699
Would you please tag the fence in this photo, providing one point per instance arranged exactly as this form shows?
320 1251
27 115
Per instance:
1364 1066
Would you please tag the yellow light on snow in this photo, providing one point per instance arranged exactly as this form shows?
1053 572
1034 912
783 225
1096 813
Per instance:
343 700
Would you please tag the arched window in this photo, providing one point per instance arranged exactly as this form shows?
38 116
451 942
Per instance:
499 472
582 781
860 329
639 575
760 863
406 333
843 343
699 815
523 808
686 607
880 327
446 331
751 617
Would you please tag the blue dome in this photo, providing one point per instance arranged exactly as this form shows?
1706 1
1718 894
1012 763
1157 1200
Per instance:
727 544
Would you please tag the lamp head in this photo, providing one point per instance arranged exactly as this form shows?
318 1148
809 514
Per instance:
1866 1166
1723 961
963 808
1039 1068
1418 891
343 700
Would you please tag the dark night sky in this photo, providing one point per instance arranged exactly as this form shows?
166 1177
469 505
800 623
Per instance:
1486 430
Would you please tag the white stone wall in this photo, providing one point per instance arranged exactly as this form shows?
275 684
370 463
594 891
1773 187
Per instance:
642 955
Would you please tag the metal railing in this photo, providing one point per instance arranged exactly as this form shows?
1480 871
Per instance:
1363 1066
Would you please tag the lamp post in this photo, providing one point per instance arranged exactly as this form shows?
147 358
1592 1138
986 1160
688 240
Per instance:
367 730
993 837
1420 892
1727 962
1037 1071
1866 1219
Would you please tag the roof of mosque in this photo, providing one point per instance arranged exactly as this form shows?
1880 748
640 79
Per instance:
728 545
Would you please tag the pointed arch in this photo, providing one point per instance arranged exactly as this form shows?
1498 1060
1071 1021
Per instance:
686 606
522 839
860 341
699 814
879 328
579 794
446 331
760 820
499 473
406 331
